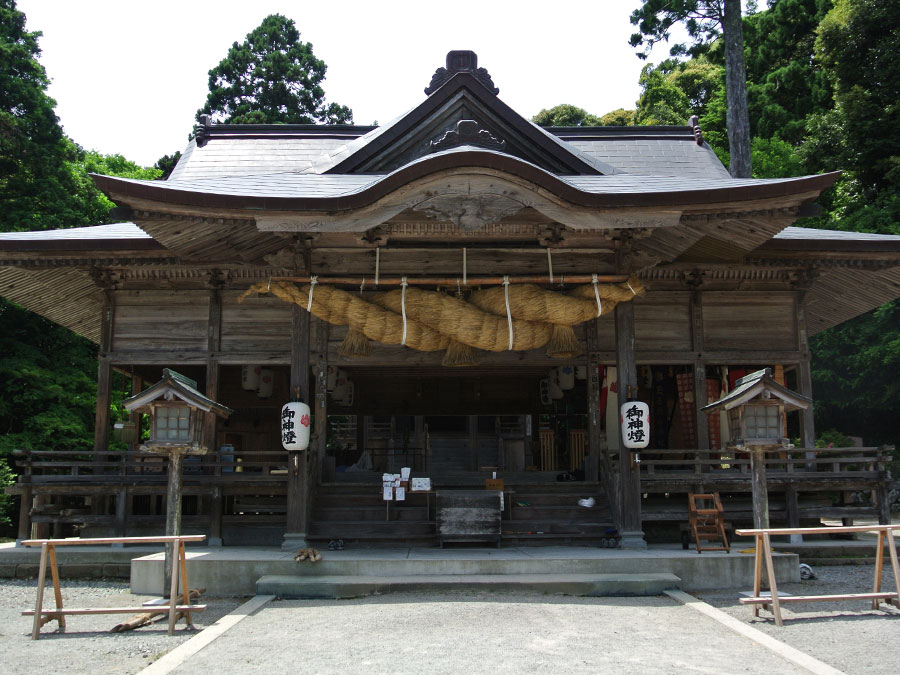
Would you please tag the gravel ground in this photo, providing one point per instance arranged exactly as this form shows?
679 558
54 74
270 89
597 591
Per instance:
470 631
847 635
480 632
88 646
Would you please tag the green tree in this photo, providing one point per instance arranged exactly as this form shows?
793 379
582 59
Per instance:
785 83
618 118
166 164
272 77
705 20
661 100
37 187
565 115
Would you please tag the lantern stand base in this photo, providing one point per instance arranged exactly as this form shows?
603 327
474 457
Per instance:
294 541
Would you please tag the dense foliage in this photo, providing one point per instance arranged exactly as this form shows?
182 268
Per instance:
48 374
705 21
272 77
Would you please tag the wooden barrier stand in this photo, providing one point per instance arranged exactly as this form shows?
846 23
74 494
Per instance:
48 551
764 549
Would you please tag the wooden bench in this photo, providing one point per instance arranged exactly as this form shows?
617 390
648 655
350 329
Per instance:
48 553
764 552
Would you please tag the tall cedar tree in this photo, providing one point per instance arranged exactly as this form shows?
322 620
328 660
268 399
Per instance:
272 77
37 188
703 20
47 373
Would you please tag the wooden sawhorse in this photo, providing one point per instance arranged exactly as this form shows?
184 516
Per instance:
48 553
764 552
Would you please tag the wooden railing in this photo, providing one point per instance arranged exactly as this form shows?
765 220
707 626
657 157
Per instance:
798 462
63 466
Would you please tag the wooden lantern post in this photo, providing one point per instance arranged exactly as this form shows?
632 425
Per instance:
177 418
756 409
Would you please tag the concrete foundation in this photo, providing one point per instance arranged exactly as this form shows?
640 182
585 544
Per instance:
235 571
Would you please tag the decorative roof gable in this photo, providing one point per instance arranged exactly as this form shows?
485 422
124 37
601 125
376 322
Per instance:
462 109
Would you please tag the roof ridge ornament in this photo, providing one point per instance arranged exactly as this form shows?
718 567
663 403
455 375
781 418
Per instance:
461 61
201 135
467 132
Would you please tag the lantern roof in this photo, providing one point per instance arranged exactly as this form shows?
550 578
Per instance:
175 386
760 384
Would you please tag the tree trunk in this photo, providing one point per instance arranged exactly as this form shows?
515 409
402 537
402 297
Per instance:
736 91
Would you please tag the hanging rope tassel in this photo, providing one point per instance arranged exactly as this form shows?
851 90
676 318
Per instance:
597 295
508 312
403 285
460 354
312 286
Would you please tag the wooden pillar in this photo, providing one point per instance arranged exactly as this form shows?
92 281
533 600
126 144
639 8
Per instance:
599 464
104 375
474 460
24 515
804 378
213 347
759 487
210 421
298 496
174 489
701 419
104 395
630 524
216 504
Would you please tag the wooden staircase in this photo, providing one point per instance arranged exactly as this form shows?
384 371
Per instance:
534 514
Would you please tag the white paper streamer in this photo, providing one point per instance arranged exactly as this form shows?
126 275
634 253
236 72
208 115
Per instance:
508 313
403 284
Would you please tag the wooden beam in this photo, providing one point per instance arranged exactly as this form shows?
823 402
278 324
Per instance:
629 470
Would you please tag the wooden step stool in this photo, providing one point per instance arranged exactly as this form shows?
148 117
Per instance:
707 521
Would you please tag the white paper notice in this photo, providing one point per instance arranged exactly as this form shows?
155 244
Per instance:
401 494
389 493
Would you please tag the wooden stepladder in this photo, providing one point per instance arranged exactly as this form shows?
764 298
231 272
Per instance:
707 521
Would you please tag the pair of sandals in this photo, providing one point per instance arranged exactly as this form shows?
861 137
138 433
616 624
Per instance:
336 545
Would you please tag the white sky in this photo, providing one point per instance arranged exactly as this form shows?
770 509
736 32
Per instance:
129 75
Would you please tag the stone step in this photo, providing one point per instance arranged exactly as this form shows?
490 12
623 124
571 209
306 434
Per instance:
593 585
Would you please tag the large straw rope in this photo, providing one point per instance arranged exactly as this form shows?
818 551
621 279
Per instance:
532 303
428 321
466 323
345 309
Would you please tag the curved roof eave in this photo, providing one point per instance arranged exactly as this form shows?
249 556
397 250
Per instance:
255 193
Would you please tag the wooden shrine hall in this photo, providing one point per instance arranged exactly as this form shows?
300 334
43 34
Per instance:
459 292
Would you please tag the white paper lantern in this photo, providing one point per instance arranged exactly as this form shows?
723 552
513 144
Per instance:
634 417
295 426
556 392
331 378
266 383
566 377
250 378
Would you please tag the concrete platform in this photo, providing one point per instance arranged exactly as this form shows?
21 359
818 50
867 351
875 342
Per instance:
235 571
588 585
82 562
